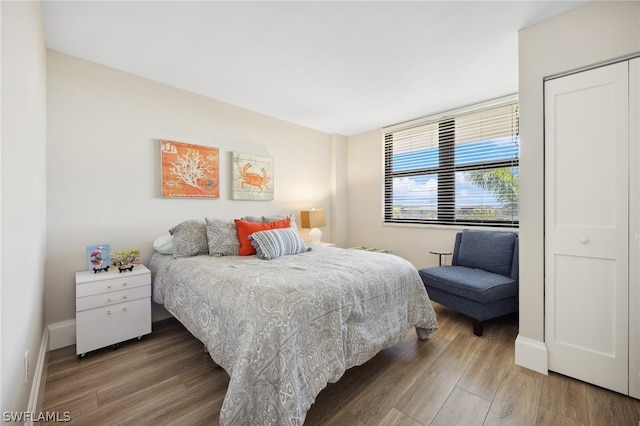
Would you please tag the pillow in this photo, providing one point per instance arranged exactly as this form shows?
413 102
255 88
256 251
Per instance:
491 251
265 219
247 228
277 242
222 237
189 238
255 219
164 244
291 217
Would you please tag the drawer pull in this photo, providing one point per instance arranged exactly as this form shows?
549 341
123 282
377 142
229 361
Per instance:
124 309
109 300
123 285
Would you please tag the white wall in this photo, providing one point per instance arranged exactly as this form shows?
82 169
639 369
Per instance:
594 33
103 173
23 149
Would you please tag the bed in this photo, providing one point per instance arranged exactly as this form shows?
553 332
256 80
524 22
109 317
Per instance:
284 328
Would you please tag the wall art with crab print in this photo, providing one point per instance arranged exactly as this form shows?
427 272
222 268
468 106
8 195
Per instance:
189 171
252 177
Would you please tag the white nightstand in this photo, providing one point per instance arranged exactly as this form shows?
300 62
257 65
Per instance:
320 244
112 307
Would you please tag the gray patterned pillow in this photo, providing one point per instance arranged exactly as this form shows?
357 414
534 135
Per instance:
273 243
255 219
223 237
189 238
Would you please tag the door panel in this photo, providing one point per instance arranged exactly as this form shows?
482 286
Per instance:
586 225
574 193
591 285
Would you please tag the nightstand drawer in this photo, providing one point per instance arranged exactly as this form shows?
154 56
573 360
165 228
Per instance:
111 298
100 327
119 282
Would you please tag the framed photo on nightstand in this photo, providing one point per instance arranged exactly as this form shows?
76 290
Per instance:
122 258
99 257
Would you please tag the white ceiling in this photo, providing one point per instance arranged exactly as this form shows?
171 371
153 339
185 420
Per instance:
339 67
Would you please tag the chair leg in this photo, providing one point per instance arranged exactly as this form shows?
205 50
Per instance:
477 327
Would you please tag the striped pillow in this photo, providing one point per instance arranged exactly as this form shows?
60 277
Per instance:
272 243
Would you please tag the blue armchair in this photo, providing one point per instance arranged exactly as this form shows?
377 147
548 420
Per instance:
482 281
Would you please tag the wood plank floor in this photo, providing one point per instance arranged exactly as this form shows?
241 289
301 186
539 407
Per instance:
453 378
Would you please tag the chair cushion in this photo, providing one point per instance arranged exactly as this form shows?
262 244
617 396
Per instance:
487 250
473 284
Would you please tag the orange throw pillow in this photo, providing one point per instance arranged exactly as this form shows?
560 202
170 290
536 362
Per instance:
247 228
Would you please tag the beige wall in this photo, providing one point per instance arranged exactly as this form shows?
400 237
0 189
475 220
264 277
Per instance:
597 32
339 192
103 130
22 229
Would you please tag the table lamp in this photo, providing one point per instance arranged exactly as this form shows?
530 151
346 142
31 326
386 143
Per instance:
313 219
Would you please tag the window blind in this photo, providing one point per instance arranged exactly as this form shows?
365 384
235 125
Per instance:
460 168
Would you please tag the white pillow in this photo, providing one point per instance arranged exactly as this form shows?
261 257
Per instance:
164 244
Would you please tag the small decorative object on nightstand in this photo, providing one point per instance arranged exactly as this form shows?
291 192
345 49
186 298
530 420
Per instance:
99 257
441 254
111 307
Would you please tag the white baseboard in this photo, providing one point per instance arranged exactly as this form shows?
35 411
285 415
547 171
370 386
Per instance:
62 334
532 354
39 376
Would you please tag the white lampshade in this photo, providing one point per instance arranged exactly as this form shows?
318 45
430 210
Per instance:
313 219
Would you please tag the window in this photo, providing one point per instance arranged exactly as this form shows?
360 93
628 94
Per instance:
459 168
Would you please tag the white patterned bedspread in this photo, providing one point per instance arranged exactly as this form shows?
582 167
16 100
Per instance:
284 328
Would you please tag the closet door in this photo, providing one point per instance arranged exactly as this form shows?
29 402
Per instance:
634 230
587 225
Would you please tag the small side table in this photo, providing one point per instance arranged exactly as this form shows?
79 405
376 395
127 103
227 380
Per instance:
111 307
321 244
441 254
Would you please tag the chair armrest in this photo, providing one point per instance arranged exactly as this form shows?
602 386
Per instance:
456 247
515 265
